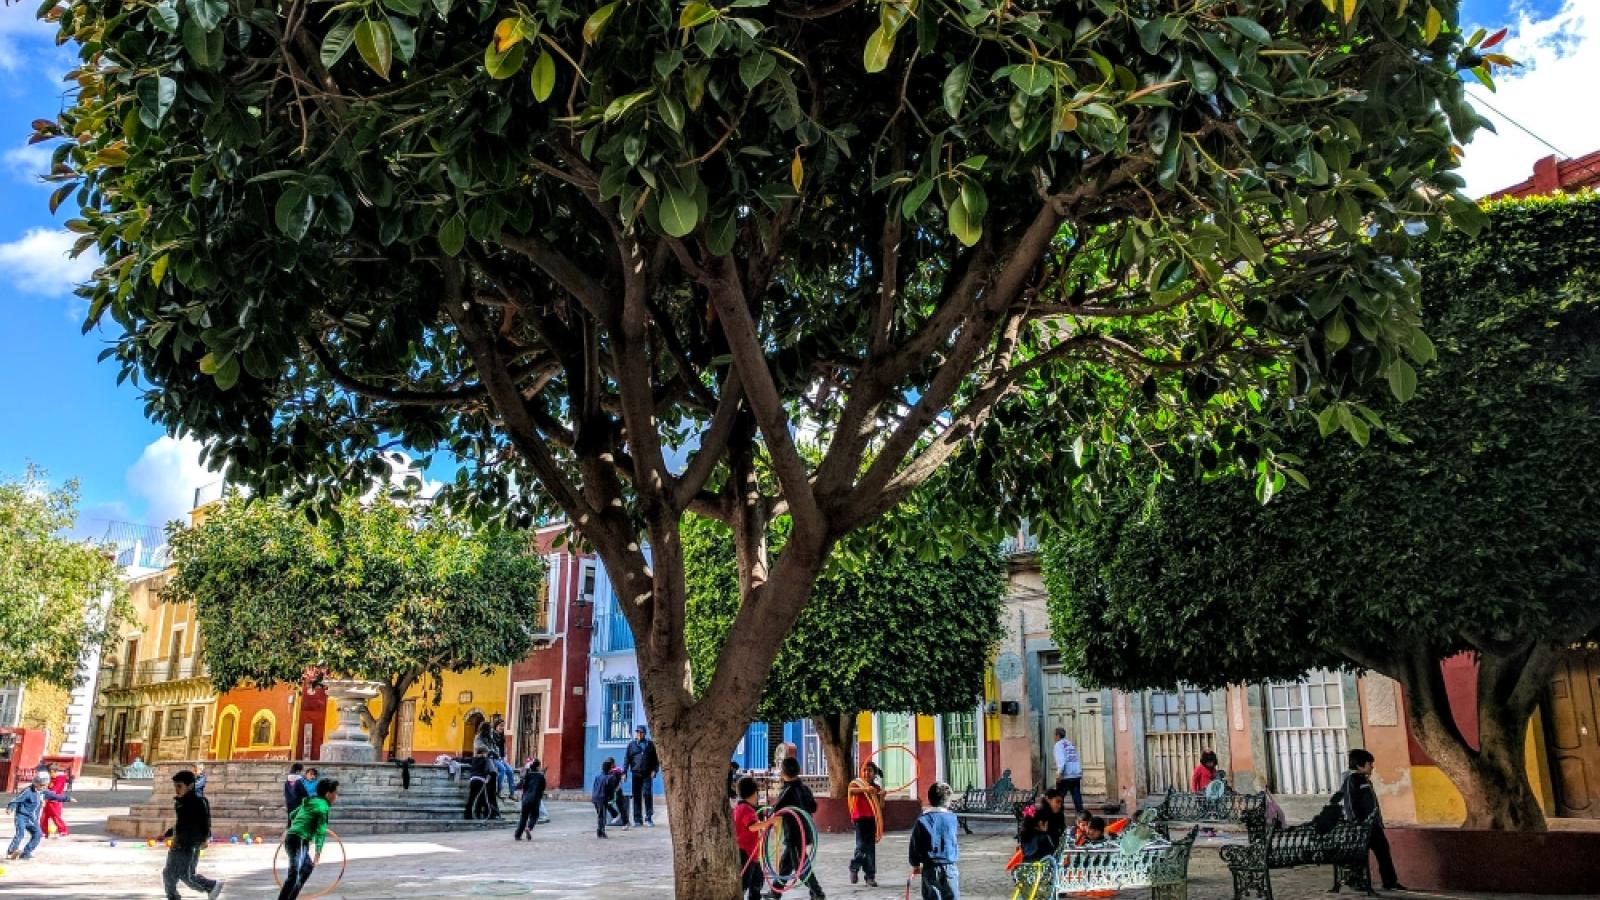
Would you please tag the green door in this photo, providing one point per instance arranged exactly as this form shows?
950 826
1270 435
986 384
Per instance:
894 730
961 751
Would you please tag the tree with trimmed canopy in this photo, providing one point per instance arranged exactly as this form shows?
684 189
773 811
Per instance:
381 591
884 630
624 252
1466 527
59 598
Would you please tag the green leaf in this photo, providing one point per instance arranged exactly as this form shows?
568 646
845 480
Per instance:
444 6
721 233
1336 331
337 42
1402 380
294 211
208 364
1032 79
375 44
453 235
755 68
543 77
880 46
197 43
1249 29
1204 78
207 12
678 211
596 22
405 42
227 374
696 14
967 211
671 111
955 88
1420 347
404 7
156 95
164 15
1432 24
915 198
1358 429
501 66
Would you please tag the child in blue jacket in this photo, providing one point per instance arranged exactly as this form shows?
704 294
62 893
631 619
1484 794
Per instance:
934 850
28 806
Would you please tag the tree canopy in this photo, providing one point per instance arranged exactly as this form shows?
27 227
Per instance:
572 245
59 597
1467 526
886 632
373 594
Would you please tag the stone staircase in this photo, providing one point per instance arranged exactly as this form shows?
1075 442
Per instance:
247 797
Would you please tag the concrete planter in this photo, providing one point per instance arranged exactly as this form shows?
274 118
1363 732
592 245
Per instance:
833 816
1455 859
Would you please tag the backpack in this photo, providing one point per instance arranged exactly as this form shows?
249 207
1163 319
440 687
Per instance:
1331 815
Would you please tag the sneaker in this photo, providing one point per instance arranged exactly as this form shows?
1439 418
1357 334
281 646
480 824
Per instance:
872 882
649 823
216 890
1397 887
13 854
854 875
600 834
626 826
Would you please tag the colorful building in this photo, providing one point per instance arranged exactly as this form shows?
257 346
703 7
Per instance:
280 722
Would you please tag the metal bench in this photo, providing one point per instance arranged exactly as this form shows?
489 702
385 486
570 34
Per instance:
1160 865
1344 847
1002 801
134 771
1248 810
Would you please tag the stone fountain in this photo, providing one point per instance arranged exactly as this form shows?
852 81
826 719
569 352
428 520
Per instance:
350 742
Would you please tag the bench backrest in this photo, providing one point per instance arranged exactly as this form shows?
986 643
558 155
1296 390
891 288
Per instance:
1301 845
1167 865
1249 810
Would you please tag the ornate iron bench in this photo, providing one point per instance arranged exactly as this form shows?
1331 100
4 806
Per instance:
1161 865
1249 810
1344 847
998 802
134 771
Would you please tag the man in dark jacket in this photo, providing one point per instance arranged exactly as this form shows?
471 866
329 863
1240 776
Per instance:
642 764
794 794
189 837
1360 801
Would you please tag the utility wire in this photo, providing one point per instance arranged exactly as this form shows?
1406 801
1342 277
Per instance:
1477 98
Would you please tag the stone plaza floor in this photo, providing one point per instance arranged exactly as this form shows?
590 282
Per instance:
564 860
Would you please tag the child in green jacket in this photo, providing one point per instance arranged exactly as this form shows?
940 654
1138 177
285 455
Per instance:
310 826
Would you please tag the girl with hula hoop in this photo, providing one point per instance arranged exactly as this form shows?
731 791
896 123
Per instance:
866 815
310 826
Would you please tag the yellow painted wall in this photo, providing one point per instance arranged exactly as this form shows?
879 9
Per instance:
446 731
44 707
1439 803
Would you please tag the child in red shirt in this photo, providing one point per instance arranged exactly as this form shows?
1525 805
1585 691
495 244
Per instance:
866 799
747 831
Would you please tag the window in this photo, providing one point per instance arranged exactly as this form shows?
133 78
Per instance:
1186 709
175 724
1317 701
261 730
618 700
586 583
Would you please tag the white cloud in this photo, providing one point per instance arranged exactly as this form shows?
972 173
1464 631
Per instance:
166 476
28 162
38 262
1560 56
19 30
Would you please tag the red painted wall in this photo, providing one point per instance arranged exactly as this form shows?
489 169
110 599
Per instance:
1461 684
565 663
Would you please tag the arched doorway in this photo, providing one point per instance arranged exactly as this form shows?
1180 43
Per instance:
470 732
226 726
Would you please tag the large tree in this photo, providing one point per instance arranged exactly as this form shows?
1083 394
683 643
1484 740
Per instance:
1467 526
370 593
571 245
59 598
883 630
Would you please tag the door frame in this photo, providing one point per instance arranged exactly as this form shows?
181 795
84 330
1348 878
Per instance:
227 734
519 689
1587 723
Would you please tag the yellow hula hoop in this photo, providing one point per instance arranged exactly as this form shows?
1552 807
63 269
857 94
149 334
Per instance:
344 862
875 803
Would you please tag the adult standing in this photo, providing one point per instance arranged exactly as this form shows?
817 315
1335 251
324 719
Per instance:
642 764
1069 769
497 753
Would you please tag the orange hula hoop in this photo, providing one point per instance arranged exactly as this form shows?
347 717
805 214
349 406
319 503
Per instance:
916 765
868 790
344 862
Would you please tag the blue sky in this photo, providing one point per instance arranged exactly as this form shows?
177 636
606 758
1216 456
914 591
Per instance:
62 410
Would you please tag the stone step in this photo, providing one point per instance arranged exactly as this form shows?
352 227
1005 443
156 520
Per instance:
341 811
140 827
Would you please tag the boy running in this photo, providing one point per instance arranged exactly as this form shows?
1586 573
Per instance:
189 836
28 805
934 850
310 826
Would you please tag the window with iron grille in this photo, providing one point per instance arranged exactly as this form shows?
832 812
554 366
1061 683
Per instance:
1186 709
618 699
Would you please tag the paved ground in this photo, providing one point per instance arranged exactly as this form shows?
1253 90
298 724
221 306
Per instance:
564 860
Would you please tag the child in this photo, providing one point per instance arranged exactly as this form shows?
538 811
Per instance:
532 794
600 796
1094 832
747 830
616 799
1053 807
189 837
866 799
1205 772
310 826
28 806
1360 801
796 795
52 808
1080 828
1037 844
934 850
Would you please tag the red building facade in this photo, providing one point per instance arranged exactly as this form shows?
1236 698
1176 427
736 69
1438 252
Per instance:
1551 175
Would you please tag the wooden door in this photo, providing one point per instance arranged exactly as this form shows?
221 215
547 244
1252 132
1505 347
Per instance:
153 751
405 728
1572 732
530 708
197 727
1077 709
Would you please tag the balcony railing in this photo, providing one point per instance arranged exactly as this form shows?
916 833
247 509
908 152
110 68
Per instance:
113 676
612 634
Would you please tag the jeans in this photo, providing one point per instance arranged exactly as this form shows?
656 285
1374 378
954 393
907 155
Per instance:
181 861
618 805
644 801
508 775
941 881
1379 845
530 818
751 878
602 811
1074 788
298 850
865 859
791 861
30 826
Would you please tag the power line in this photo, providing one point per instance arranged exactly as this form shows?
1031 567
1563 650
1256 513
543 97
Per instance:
1525 129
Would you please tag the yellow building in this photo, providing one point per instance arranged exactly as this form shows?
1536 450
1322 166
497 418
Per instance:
154 696
425 730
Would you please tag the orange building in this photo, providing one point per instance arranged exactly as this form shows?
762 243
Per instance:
281 722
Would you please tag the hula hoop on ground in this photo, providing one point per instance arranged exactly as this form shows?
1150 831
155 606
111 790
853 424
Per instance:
916 766
344 862
772 849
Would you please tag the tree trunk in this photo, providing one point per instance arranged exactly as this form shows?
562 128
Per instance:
837 733
390 696
1493 779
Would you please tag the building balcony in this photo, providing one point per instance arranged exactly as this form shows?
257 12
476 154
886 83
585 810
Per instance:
611 633
114 677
